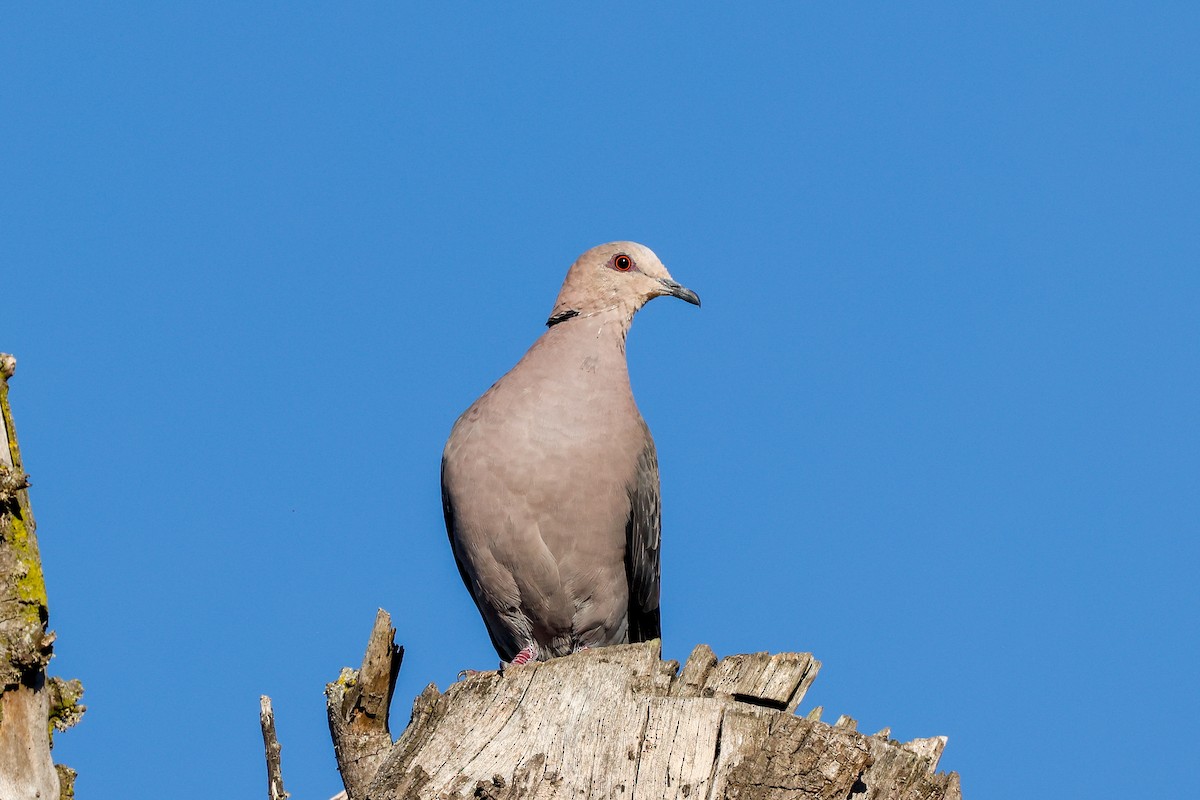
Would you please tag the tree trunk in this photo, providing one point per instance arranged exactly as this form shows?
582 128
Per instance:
31 705
619 722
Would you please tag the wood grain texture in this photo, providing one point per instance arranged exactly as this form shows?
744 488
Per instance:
357 705
618 722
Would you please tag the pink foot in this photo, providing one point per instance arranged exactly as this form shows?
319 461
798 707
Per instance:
529 653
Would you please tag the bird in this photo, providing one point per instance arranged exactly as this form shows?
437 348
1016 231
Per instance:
550 485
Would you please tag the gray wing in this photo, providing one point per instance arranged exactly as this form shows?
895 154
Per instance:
502 640
643 533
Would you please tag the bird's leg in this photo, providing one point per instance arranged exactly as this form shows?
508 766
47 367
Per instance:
527 654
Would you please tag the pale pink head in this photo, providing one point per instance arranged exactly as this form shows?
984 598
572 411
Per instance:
617 275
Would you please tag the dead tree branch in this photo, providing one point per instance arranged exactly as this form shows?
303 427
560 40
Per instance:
31 706
357 704
266 718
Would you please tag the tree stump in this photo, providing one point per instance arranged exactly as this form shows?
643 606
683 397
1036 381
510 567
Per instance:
620 722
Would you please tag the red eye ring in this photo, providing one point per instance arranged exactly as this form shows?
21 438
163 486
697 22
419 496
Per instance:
622 263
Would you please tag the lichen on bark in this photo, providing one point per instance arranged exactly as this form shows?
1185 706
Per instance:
32 706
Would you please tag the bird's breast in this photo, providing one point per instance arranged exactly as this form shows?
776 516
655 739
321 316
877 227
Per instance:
559 426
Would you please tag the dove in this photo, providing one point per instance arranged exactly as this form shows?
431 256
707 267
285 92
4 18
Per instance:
550 483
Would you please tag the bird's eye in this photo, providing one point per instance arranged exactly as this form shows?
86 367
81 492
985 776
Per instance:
622 263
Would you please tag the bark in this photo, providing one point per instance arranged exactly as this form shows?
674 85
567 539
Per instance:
32 706
266 718
620 722
358 703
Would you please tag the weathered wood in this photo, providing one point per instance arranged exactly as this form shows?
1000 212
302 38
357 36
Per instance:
274 753
773 681
357 706
30 705
906 771
26 768
779 755
619 722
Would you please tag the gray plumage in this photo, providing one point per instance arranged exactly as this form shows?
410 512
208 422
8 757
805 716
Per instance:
550 479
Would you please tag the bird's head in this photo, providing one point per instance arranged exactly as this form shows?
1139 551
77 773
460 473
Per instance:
617 275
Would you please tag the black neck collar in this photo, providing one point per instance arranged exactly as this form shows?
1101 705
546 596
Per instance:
561 316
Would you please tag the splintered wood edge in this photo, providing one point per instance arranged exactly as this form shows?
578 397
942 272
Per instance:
735 679
804 682
696 669
358 705
777 681
8 365
380 668
931 748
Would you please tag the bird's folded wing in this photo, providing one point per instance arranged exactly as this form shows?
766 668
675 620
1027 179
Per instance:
642 537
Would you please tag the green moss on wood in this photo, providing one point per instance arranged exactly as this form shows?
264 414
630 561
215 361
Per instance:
65 710
31 582
66 782
17 530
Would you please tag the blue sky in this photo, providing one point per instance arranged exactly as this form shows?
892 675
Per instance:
936 422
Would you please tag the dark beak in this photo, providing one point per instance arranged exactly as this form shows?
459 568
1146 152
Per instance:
683 293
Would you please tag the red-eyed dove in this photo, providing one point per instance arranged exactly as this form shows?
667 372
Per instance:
550 480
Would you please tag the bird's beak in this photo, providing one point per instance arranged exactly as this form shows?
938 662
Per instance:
682 292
